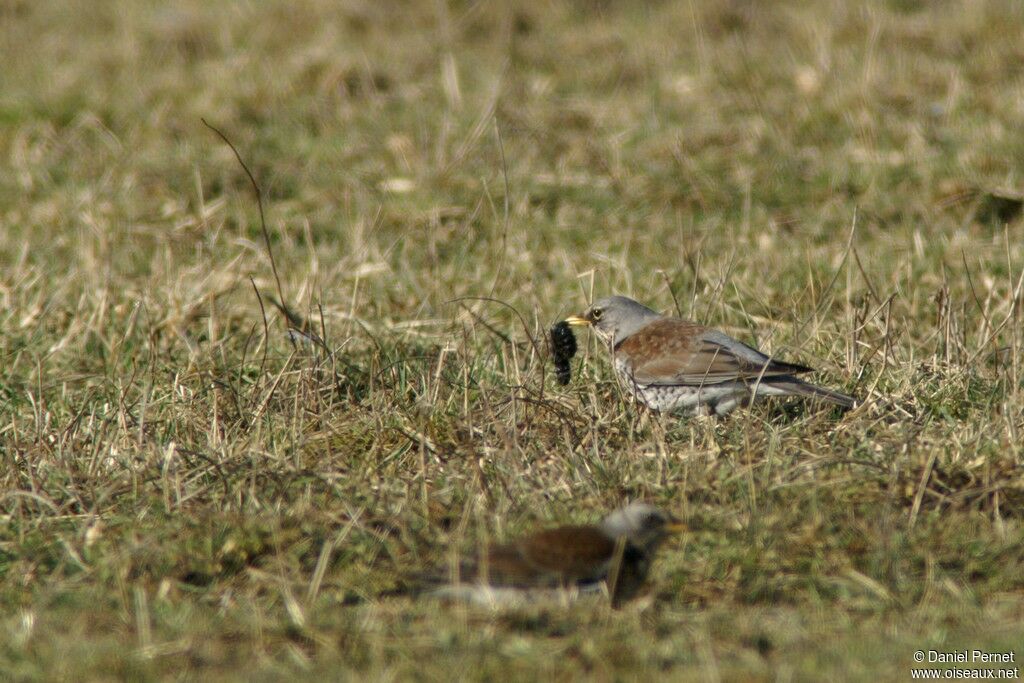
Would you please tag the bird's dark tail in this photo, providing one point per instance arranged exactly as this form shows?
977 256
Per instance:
797 387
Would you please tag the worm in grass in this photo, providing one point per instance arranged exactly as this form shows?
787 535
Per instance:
563 346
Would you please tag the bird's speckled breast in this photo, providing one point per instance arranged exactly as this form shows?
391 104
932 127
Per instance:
669 398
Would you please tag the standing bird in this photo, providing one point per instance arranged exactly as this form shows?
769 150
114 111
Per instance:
674 364
617 553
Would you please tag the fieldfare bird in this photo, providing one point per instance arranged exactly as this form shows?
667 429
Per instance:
673 364
616 553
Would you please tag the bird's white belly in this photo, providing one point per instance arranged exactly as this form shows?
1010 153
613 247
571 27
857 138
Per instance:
492 596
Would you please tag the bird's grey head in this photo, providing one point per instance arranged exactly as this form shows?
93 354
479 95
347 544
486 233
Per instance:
642 524
614 318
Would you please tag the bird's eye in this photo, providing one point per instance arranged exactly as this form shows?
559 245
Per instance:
595 313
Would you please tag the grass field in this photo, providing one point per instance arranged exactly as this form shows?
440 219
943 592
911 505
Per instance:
185 494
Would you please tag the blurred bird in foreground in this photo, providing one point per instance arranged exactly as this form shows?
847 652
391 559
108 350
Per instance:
615 553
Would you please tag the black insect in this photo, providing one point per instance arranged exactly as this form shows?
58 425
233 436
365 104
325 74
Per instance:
563 348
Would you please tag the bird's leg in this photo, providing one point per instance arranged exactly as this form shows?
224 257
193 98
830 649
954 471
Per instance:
701 410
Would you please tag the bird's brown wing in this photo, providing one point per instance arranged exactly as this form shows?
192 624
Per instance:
578 553
671 351
548 559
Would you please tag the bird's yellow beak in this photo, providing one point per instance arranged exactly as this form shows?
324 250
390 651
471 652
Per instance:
676 527
577 321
